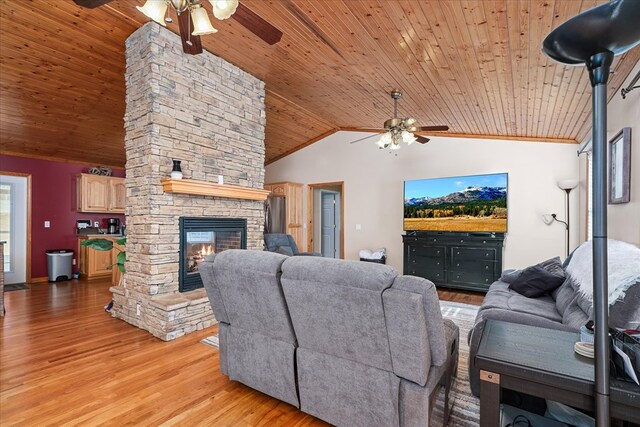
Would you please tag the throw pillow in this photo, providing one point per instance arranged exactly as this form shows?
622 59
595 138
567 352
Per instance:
535 281
284 250
553 266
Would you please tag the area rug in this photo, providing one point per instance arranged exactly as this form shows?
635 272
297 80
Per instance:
465 408
15 287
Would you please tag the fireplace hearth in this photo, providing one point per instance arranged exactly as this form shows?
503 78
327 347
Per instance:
204 236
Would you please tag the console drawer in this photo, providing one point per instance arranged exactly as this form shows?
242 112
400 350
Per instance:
459 254
427 262
469 277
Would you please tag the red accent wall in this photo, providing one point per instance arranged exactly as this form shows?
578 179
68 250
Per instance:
53 198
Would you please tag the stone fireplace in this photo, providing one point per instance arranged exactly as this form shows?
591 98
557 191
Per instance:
210 115
203 236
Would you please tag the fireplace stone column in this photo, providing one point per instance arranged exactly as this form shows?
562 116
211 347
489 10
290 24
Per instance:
210 115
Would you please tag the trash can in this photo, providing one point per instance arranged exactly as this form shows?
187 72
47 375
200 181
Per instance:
60 263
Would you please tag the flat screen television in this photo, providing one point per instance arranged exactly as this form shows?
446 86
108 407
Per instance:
476 203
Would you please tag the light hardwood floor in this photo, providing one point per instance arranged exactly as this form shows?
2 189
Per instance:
64 361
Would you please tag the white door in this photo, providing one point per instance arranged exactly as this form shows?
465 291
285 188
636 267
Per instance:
13 227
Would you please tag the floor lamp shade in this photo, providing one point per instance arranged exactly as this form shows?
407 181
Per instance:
593 38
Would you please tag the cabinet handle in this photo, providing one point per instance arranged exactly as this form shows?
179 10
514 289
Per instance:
413 261
457 265
484 241
457 253
438 263
438 253
486 280
486 267
413 250
461 241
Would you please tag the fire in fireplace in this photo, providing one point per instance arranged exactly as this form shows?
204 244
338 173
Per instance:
200 237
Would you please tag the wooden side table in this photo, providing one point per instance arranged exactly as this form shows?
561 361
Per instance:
541 362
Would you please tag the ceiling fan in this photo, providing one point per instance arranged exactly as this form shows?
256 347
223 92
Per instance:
194 22
397 130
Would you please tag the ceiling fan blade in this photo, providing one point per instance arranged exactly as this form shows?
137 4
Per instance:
186 26
91 4
362 139
432 128
422 139
350 129
257 25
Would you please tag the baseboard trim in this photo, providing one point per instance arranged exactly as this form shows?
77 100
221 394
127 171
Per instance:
39 279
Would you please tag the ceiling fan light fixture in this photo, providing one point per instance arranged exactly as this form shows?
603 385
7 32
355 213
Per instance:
223 9
408 137
201 23
394 146
385 140
155 9
409 121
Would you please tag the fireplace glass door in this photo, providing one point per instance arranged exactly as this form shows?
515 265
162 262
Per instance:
201 237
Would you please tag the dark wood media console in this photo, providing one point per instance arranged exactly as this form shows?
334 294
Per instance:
470 261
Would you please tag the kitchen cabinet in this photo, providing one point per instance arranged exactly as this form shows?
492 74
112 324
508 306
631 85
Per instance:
293 193
95 264
101 194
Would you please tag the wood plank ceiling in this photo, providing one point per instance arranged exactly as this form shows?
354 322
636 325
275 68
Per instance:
474 65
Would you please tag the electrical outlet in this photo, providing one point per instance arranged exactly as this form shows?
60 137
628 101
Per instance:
138 309
220 179
358 227
74 261
96 224
47 224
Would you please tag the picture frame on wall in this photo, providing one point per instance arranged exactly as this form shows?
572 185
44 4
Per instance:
620 167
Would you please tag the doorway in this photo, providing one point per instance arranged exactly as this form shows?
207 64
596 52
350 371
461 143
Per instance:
326 219
15 226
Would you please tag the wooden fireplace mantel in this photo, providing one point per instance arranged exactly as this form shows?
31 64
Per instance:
202 188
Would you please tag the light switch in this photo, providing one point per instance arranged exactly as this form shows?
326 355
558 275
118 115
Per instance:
358 226
47 224
96 224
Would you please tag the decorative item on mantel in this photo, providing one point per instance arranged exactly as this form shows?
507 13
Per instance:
176 172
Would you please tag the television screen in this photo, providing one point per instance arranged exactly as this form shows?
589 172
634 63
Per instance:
464 203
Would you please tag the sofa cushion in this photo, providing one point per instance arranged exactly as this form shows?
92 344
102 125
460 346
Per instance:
431 305
625 311
536 281
336 307
501 297
248 285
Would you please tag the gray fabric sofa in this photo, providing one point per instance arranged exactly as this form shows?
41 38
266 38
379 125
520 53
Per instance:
284 244
351 343
564 309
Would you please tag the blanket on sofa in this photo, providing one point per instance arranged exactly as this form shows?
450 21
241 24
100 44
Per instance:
623 268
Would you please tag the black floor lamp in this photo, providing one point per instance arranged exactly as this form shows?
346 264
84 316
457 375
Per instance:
567 185
593 38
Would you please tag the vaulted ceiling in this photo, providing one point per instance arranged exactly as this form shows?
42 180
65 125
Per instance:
474 65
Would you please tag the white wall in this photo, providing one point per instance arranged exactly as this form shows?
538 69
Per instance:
374 187
623 220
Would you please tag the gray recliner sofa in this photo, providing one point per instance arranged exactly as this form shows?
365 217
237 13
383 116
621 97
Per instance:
564 309
370 347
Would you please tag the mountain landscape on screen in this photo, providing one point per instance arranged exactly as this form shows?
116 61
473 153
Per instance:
471 203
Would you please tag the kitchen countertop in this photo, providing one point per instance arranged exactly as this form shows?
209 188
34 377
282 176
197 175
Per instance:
97 236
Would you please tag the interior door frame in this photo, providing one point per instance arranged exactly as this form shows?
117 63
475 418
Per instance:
310 214
28 176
